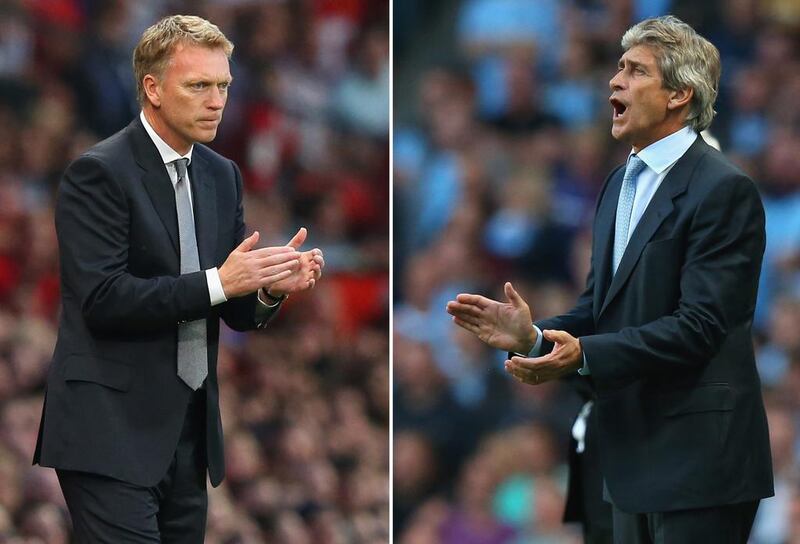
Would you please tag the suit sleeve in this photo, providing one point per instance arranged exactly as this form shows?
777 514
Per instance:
93 224
719 277
579 321
244 313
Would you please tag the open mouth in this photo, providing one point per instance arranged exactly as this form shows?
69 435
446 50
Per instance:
619 107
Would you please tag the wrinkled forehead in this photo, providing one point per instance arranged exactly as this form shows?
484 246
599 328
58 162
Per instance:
643 54
199 61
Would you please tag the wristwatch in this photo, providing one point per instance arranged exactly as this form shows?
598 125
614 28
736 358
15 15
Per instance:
271 299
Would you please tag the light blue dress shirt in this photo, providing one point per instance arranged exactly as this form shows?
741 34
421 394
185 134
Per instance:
659 157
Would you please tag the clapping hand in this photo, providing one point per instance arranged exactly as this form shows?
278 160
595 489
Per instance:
566 358
305 275
248 269
502 325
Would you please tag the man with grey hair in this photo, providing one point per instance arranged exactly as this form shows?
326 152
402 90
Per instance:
663 329
152 254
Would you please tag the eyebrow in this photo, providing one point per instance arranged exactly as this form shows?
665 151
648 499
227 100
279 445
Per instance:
207 78
633 63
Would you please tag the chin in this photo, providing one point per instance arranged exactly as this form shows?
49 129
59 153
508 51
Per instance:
618 133
206 136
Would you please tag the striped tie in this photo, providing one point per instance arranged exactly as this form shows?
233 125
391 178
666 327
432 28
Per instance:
625 207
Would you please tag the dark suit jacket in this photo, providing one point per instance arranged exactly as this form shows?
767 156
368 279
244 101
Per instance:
584 502
680 418
114 404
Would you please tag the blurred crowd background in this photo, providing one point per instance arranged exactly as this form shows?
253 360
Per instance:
501 142
306 402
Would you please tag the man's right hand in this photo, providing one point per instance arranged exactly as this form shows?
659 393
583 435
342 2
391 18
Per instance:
507 326
247 270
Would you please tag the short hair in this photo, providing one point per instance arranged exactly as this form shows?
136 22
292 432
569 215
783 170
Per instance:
155 48
685 59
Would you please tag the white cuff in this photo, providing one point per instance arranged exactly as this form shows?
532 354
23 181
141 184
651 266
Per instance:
536 350
215 290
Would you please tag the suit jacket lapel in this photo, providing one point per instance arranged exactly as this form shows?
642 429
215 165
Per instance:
659 208
162 195
604 238
205 211
156 180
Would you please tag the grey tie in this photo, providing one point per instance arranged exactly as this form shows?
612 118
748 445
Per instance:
192 346
625 208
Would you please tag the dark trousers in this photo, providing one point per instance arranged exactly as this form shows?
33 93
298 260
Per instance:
728 524
109 511
597 535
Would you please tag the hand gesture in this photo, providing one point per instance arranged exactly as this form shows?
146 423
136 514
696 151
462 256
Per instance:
307 273
502 325
566 358
247 269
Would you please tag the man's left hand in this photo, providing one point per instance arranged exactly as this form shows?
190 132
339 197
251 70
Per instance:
307 274
566 358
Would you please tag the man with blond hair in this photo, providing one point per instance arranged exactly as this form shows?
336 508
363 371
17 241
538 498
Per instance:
663 329
152 255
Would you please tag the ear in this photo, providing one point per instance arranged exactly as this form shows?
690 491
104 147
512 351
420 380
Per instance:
152 91
680 98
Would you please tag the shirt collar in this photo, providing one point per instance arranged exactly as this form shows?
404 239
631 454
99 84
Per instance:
659 155
168 154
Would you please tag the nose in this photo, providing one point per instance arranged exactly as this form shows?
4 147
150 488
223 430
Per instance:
216 100
615 83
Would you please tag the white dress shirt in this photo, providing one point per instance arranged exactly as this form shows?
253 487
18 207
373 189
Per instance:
169 155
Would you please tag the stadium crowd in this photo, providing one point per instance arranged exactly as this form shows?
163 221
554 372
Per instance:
306 402
498 158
